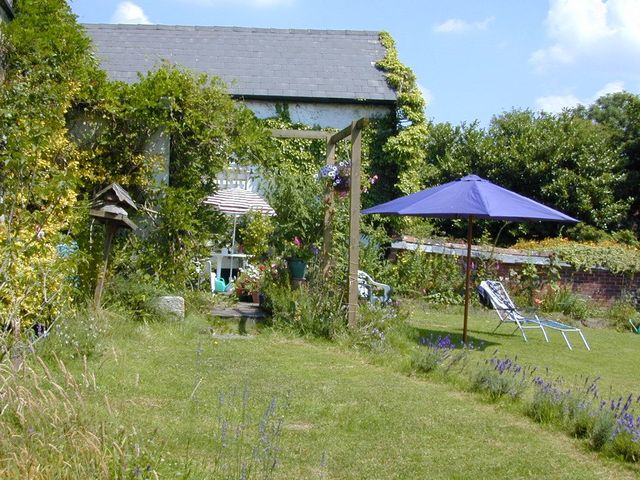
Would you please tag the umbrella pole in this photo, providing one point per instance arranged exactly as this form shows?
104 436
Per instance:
233 237
467 280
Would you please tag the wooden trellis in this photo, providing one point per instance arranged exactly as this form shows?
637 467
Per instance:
354 131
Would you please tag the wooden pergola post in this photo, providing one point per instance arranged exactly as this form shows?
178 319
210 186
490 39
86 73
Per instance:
355 132
354 224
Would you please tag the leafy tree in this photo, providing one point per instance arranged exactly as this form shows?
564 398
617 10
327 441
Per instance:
48 73
561 160
619 114
453 152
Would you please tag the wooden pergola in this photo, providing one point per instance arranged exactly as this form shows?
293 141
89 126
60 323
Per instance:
354 131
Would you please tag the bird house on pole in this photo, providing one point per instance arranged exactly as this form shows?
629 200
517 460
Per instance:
109 206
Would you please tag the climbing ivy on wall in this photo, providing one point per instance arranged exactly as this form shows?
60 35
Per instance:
405 148
206 129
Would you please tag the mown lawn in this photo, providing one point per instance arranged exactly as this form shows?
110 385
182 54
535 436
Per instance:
614 356
181 388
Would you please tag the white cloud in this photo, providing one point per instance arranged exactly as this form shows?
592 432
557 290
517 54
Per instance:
557 103
243 3
611 87
457 25
426 93
590 30
129 12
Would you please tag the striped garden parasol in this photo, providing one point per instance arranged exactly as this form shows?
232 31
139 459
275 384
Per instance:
236 202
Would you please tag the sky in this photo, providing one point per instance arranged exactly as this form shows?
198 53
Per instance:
472 59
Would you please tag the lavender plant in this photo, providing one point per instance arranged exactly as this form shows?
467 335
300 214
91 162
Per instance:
625 438
610 424
246 447
436 353
554 401
501 377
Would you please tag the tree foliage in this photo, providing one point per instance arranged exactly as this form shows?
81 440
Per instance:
619 115
48 71
564 161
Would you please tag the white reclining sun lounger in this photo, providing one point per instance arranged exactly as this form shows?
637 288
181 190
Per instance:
507 311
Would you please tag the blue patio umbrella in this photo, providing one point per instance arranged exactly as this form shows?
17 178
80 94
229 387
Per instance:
470 197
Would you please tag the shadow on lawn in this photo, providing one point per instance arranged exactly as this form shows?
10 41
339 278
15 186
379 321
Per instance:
416 334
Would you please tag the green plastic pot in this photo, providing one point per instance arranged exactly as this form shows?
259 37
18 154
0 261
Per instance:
297 267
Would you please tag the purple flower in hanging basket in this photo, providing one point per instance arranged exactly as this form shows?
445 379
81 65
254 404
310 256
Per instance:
338 175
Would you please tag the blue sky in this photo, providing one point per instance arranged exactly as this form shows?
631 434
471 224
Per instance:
473 59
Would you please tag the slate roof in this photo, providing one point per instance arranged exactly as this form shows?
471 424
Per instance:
317 65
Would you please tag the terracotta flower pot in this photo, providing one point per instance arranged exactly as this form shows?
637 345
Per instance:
255 297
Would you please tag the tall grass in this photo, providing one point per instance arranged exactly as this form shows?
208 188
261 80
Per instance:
49 431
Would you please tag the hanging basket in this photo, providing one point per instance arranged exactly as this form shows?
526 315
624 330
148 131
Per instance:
342 184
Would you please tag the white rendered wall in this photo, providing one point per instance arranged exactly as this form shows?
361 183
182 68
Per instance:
325 115
159 145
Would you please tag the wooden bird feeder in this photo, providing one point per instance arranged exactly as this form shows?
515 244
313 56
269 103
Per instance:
109 206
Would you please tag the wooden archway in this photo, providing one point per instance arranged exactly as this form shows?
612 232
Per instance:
354 131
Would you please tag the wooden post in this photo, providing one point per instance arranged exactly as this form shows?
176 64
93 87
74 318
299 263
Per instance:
110 230
355 130
467 280
354 223
329 212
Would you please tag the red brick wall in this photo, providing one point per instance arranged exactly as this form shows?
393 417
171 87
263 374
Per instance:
601 284
598 284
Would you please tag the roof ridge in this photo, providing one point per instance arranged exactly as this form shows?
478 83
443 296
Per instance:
157 26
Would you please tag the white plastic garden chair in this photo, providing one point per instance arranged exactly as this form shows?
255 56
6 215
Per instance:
367 287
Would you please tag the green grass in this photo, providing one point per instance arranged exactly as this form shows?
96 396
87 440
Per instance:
614 356
343 418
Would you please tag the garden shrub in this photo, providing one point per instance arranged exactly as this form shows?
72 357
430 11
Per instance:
48 70
554 402
627 446
313 309
621 311
297 198
610 425
627 237
625 438
205 128
372 254
255 234
583 232
377 326
136 295
603 427
435 277
564 300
